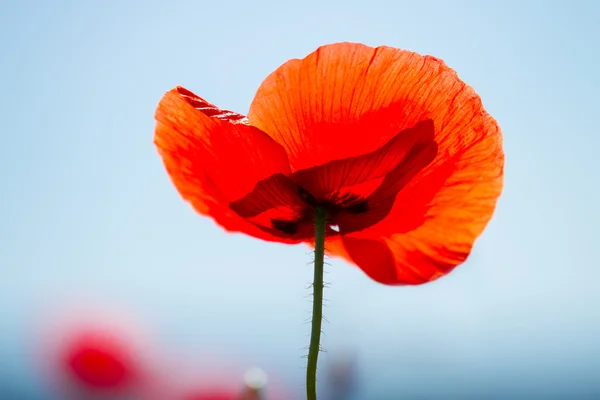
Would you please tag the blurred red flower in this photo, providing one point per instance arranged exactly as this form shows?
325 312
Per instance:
213 395
397 149
86 352
99 361
229 384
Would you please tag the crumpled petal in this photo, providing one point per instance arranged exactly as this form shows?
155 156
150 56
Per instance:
214 157
346 101
448 209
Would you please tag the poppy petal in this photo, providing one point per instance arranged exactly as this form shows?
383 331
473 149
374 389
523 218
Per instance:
458 192
276 207
348 99
381 201
361 190
376 259
448 209
214 157
360 176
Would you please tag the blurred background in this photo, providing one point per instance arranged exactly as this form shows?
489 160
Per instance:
91 229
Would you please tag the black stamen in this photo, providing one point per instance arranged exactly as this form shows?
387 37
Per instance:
358 208
289 227
307 197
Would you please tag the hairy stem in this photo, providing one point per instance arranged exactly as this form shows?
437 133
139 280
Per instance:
317 314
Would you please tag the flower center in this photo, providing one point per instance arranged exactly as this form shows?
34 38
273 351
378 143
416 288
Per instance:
334 204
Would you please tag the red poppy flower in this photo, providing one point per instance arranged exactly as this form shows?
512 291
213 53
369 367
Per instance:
222 382
225 394
99 361
216 394
397 149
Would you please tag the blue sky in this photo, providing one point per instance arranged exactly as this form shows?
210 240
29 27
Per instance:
88 213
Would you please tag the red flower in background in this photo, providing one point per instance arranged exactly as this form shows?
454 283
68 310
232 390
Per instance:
397 149
214 395
87 352
229 386
99 361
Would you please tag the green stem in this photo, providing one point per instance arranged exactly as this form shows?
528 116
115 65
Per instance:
317 314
